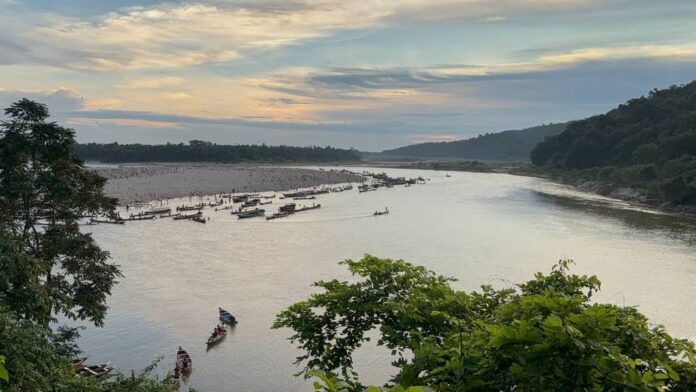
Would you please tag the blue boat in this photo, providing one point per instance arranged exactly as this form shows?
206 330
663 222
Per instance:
227 317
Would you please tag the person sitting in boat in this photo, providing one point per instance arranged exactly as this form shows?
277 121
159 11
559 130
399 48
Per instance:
177 371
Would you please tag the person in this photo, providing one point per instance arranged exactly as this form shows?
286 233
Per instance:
177 371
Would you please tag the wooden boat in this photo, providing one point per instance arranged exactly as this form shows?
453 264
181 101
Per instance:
219 203
312 207
79 363
189 216
378 213
198 219
113 222
216 337
304 198
269 197
252 213
289 208
139 217
280 214
224 208
158 211
240 198
95 370
294 194
227 317
251 203
183 359
263 203
190 208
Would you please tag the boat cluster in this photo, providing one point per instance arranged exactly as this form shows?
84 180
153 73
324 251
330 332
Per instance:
184 364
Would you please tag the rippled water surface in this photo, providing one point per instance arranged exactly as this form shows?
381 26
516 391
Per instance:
480 228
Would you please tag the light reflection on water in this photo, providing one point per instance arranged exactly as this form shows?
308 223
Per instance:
479 228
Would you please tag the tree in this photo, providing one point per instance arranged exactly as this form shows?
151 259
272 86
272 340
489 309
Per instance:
544 334
647 153
48 266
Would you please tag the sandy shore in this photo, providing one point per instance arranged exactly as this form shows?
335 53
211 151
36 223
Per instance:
130 183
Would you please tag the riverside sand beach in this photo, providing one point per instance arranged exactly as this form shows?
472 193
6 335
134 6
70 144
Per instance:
142 182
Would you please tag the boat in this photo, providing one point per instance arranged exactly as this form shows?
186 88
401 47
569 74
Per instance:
217 203
304 198
216 337
312 207
183 359
190 208
227 317
239 198
113 222
263 203
189 216
198 219
385 212
158 211
139 217
294 194
251 214
251 203
447 175
280 214
95 371
224 208
289 208
79 363
269 197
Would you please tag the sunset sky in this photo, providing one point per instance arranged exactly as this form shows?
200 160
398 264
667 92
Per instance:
364 74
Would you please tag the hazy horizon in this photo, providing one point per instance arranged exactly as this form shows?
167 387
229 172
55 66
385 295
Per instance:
369 75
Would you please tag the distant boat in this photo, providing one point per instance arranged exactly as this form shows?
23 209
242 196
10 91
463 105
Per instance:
190 216
447 175
289 208
198 219
113 222
312 207
304 198
139 217
158 211
280 214
378 213
251 214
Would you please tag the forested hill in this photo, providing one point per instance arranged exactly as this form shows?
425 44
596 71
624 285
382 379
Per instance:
200 151
648 142
507 145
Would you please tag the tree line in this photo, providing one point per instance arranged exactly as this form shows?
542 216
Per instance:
203 151
648 143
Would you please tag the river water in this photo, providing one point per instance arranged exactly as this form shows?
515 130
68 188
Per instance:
479 228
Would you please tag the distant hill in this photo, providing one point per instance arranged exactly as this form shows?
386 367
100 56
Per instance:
507 145
648 143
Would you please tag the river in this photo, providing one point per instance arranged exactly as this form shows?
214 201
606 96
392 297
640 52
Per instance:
479 228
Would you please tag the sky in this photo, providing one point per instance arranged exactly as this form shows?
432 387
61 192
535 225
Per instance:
371 75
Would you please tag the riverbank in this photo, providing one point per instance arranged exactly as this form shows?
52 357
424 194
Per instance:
633 195
143 182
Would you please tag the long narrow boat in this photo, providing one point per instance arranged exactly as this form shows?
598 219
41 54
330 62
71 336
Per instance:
113 222
216 338
190 208
289 208
139 218
312 207
158 211
198 219
183 359
190 216
95 370
280 214
251 214
385 212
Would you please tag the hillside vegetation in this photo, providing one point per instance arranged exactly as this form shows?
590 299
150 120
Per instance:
201 151
648 143
507 145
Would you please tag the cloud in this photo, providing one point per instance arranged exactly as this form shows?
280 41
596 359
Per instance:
59 100
153 83
176 35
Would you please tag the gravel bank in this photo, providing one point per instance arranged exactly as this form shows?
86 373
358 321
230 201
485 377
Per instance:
130 183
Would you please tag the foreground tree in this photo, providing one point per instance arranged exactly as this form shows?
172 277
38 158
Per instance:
48 266
544 334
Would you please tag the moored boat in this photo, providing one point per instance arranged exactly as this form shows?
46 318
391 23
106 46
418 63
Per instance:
312 207
198 219
189 216
289 208
95 371
79 363
113 222
279 214
251 213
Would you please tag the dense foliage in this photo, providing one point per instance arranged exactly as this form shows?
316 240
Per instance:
507 145
649 143
200 151
47 266
542 335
